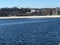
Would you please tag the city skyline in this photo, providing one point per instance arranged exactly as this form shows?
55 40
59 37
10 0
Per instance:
30 3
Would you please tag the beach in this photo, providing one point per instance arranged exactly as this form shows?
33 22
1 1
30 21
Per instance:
52 16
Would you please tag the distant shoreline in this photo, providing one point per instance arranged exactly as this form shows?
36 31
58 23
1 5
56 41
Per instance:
10 17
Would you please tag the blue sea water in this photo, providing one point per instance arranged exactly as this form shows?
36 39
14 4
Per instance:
30 31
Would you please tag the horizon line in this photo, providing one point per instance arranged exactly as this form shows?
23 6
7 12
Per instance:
28 7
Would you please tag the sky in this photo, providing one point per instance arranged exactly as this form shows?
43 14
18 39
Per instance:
30 3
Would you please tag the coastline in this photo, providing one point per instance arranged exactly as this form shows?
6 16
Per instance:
10 17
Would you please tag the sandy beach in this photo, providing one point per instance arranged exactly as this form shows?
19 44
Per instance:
53 16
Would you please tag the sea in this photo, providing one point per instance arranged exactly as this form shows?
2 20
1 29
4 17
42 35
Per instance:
30 31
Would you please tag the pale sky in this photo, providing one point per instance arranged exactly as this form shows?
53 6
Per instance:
30 3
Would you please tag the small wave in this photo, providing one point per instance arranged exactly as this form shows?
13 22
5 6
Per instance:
24 22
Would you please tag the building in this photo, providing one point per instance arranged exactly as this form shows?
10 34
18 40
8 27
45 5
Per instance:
29 11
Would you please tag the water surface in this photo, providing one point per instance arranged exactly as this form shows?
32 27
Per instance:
30 31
